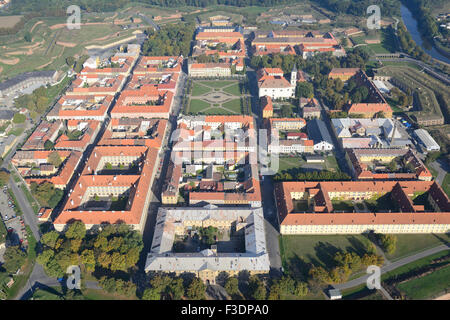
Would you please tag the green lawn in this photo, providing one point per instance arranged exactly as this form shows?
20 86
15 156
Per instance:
331 163
346 206
233 89
427 286
47 294
299 250
217 83
233 105
414 265
92 294
286 164
361 293
446 184
3 232
30 199
198 89
382 204
217 111
197 106
409 244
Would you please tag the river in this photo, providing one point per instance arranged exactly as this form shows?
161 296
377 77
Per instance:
411 25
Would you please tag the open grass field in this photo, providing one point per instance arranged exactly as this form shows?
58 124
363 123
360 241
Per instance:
233 89
414 265
409 244
217 84
331 163
198 89
197 106
299 250
287 164
9 21
427 286
446 184
233 105
361 293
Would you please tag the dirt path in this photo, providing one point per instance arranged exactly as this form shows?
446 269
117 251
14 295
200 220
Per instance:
62 25
444 297
66 44
36 24
29 52
10 62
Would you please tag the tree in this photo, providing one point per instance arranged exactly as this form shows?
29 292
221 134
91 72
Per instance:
305 90
54 159
389 242
232 286
4 177
285 111
48 145
151 294
208 235
301 289
14 258
196 290
257 288
19 118
88 259
27 37
49 239
46 193
70 61
176 289
76 230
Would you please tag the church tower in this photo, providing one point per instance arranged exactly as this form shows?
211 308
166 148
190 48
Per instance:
294 76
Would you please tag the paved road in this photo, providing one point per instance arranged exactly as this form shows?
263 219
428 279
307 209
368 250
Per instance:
39 279
442 167
394 265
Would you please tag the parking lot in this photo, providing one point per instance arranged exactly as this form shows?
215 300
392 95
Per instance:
13 222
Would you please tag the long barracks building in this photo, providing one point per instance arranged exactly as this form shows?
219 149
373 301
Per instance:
308 207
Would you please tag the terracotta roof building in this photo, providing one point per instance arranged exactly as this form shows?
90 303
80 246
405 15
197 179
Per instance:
308 207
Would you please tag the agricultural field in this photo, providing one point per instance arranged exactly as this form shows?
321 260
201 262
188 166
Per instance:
215 97
9 21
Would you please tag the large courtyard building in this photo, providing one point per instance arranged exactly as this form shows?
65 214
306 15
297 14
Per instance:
386 164
303 42
329 207
114 187
370 133
173 223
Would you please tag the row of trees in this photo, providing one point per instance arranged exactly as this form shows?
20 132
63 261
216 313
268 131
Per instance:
409 45
164 287
324 175
388 242
345 263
